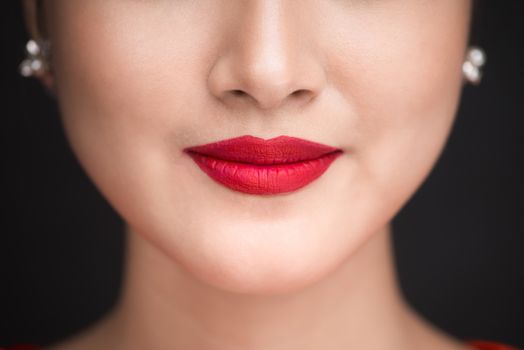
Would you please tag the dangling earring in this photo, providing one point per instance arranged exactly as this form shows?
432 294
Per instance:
471 69
36 62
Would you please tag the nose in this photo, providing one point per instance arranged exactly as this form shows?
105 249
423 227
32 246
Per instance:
266 60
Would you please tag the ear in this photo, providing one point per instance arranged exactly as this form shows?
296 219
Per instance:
34 21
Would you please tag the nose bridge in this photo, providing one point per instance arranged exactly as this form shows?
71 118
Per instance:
265 48
265 62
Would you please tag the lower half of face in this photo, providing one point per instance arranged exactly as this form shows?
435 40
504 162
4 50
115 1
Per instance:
140 81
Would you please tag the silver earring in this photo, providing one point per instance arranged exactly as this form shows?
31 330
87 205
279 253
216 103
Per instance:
472 67
36 62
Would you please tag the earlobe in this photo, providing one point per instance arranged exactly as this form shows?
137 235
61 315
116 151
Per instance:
31 17
37 62
472 67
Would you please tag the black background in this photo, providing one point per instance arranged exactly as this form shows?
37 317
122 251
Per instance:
459 241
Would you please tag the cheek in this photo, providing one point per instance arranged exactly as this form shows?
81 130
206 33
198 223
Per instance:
127 99
403 88
126 93
121 68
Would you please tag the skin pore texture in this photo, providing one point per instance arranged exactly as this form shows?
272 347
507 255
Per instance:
137 81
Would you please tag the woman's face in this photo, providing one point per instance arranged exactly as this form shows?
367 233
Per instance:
138 81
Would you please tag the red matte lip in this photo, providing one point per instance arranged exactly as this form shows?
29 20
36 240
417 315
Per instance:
253 165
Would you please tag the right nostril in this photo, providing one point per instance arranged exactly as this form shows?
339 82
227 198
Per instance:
303 93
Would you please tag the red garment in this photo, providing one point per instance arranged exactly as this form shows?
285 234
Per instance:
477 345
486 345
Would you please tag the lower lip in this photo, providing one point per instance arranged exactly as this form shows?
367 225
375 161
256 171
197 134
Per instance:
264 179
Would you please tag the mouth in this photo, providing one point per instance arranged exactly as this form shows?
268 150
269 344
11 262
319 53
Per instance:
253 165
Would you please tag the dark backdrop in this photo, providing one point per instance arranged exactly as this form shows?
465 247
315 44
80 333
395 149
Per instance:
459 242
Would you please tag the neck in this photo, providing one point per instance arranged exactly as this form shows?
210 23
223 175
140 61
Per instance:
358 306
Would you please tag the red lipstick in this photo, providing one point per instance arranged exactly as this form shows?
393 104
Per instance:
253 165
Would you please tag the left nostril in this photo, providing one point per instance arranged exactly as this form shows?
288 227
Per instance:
302 95
239 93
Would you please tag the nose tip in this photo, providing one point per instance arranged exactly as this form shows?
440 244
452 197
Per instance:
263 86
266 62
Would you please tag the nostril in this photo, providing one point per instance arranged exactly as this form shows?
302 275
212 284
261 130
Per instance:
302 95
299 93
239 93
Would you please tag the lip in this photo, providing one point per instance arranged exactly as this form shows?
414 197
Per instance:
253 165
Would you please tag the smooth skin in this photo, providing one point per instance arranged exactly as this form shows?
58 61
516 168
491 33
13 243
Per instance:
137 81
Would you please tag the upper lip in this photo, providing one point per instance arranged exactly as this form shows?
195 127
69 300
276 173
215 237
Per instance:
255 150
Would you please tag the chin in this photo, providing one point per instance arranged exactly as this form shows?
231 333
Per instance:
260 273
259 258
